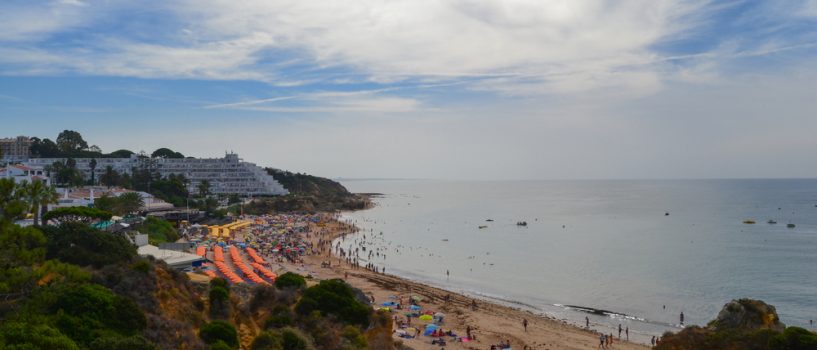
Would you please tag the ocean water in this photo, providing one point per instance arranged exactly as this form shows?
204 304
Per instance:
602 245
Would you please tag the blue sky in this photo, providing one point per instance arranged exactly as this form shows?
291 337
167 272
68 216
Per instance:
484 89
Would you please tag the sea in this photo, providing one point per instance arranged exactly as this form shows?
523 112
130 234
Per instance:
631 252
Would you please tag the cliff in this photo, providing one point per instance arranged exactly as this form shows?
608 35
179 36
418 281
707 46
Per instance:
307 193
744 324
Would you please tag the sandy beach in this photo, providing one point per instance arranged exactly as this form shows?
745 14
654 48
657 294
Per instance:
491 323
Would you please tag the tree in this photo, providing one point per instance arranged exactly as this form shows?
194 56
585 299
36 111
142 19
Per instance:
80 244
334 297
204 188
166 153
70 142
122 153
110 177
290 280
77 214
92 165
219 331
95 149
130 202
38 195
44 148
12 203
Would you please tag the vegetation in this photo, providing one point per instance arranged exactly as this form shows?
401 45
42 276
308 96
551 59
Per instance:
82 245
165 153
125 203
158 230
742 324
77 214
336 298
219 331
290 280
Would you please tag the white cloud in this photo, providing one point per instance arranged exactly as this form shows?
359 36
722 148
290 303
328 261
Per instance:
580 42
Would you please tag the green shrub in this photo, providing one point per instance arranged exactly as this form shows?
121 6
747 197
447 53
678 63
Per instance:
220 345
334 297
293 340
122 343
268 341
290 280
219 331
280 317
18 335
794 338
159 230
83 245
219 282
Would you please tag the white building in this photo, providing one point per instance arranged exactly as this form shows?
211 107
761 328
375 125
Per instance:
24 173
228 175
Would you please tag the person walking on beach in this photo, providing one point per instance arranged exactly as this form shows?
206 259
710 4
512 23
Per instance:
602 340
682 318
652 341
627 333
525 324
586 322
468 331
619 331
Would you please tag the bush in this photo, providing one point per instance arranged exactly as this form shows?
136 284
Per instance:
87 311
290 280
159 230
220 345
794 338
82 245
81 214
292 339
219 282
17 335
281 317
119 343
219 331
268 341
334 297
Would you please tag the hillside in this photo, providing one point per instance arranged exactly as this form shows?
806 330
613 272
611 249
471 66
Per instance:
74 287
307 193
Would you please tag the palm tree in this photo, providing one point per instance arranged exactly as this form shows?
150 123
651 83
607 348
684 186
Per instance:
39 195
92 165
204 188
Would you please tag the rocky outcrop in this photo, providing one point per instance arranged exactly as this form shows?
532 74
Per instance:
743 324
747 314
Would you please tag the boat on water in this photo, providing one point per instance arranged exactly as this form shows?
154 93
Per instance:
490 220
790 225
483 226
771 222
749 222
522 223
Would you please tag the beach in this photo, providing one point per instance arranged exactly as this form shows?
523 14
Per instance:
490 323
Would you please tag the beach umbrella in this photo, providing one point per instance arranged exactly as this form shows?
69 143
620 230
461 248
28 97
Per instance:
417 298
432 326
426 317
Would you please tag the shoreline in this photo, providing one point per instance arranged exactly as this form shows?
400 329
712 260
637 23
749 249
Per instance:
492 322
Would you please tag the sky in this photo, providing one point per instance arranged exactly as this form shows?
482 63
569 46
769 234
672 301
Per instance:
443 89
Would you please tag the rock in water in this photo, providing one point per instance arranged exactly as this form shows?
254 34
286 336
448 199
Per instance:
747 314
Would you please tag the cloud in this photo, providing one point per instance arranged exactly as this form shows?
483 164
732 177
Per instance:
327 102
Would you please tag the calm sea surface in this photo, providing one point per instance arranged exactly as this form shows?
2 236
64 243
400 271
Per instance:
603 245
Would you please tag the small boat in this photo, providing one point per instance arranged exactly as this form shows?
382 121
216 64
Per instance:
483 226
522 223
771 222
749 222
790 225
490 220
